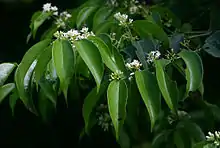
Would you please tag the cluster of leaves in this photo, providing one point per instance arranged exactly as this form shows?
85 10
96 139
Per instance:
151 107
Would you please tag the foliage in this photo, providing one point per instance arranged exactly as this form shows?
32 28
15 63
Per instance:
142 67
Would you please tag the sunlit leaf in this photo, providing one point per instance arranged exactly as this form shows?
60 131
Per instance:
5 71
5 90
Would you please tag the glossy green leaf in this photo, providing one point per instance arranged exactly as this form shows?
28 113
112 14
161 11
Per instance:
81 67
117 100
29 57
42 62
5 71
101 15
5 90
37 20
64 63
45 106
150 92
194 69
13 98
84 14
167 87
90 103
104 27
91 56
107 56
149 29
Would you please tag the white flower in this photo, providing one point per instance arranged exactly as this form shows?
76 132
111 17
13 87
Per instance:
153 55
84 30
133 9
123 19
49 8
60 23
65 15
214 138
134 65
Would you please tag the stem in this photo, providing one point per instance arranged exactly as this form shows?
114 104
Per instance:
200 35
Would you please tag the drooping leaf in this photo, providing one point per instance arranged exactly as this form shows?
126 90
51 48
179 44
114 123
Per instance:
194 69
101 15
149 29
42 62
104 27
13 98
90 103
64 63
5 90
167 87
117 100
212 44
45 106
29 57
91 56
150 92
84 14
37 20
5 71
107 56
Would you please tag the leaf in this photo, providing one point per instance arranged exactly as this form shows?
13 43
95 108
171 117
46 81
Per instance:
5 90
37 20
160 138
150 92
107 56
45 106
5 71
194 69
148 29
176 41
117 94
84 14
200 144
92 58
90 103
101 15
212 44
13 100
167 87
124 139
81 67
48 34
29 57
42 62
104 27
178 139
64 63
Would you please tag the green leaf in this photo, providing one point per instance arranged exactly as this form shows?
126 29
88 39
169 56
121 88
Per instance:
81 67
117 100
167 87
150 92
45 106
5 71
90 103
124 139
13 100
64 63
194 69
149 29
160 138
37 20
48 34
29 57
91 56
107 56
104 27
5 90
84 14
42 62
101 15
178 139
200 144
212 44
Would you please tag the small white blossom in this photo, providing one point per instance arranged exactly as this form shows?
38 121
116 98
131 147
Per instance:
65 15
123 19
214 138
134 65
153 55
133 9
60 23
49 8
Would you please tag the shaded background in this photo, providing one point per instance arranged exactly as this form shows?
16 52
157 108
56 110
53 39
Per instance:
26 130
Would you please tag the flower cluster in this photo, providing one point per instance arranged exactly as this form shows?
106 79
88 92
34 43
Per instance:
134 7
135 65
74 35
123 19
63 17
153 55
49 8
112 3
116 75
103 117
214 138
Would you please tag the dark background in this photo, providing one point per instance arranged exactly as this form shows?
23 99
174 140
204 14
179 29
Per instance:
28 131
